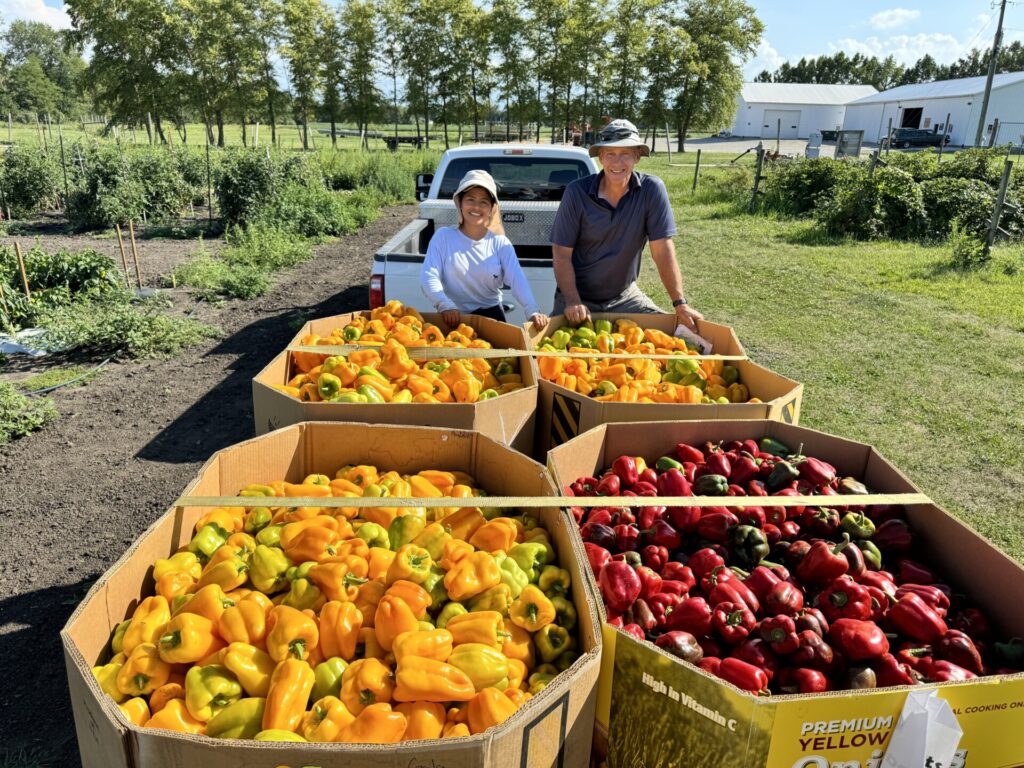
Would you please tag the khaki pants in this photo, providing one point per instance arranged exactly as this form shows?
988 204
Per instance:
630 301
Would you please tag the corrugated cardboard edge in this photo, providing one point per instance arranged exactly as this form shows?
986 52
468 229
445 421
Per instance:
509 418
965 554
562 713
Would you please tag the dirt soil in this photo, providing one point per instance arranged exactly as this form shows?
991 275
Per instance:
76 494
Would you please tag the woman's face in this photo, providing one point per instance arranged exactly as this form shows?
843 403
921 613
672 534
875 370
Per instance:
476 206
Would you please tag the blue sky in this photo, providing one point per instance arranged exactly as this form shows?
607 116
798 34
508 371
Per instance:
794 28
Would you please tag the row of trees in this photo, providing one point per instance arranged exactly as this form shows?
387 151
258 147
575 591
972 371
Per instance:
429 62
888 73
40 70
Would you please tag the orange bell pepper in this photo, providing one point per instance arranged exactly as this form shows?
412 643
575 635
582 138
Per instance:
174 716
376 724
291 634
147 623
325 720
436 644
489 707
367 598
420 679
209 602
425 719
477 627
315 542
340 623
464 522
158 699
497 534
415 596
244 622
339 578
392 617
472 575
288 694
366 682
187 638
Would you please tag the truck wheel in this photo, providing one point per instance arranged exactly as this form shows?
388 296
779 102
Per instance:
905 145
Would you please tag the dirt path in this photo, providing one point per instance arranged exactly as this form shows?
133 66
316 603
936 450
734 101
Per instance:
75 495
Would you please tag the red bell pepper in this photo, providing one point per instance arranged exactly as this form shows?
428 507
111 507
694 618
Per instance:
599 516
813 652
734 591
879 603
673 483
845 599
684 518
626 537
931 595
640 613
780 633
761 580
889 671
630 558
914 658
663 534
711 665
822 521
816 472
814 620
718 464
690 471
734 490
957 647
673 587
973 622
914 618
791 512
689 453
703 561
854 559
756 651
646 516
775 515
823 563
681 644
711 646
584 486
623 516
643 488
744 469
625 467
915 573
946 671
609 485
796 552
692 615
654 557
789 529
720 573
858 640
756 487
635 631
744 676
620 585
732 622
676 571
596 557
650 581
772 533
803 680
893 536
661 606
783 598
715 526
754 516
880 579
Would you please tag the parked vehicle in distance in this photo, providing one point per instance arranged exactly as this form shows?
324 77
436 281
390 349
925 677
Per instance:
531 179
904 138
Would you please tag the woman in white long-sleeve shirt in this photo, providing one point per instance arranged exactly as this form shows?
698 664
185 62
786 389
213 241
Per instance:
466 266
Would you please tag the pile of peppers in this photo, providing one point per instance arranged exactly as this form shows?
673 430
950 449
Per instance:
321 624
388 375
624 380
778 599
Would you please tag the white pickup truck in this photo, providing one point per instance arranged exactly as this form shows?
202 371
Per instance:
530 179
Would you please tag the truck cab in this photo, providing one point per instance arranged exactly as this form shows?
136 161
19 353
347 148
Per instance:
530 180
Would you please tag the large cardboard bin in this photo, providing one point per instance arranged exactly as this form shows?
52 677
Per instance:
553 728
508 419
562 414
659 710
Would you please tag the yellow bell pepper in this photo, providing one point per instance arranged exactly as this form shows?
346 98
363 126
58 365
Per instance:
420 679
366 682
180 561
340 577
375 724
499 533
369 644
489 707
433 644
251 666
325 720
464 522
210 602
106 676
148 622
479 627
517 643
472 575
367 598
454 551
380 561
433 539
244 622
187 638
425 719
340 623
517 673
227 574
288 695
393 617
484 665
415 596
291 634
174 583
174 716
532 609
411 563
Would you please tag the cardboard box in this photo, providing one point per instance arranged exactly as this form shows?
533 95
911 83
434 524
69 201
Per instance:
508 419
562 414
644 690
553 728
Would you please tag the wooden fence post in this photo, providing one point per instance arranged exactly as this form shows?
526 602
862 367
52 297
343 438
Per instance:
696 171
994 229
21 268
124 256
757 176
135 253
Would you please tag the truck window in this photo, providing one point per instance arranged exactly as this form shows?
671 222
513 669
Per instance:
521 177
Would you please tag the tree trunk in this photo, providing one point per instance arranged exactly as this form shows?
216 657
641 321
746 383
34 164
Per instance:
538 109
245 133
220 128
149 128
334 130
508 116
444 120
305 132
268 84
476 117
394 91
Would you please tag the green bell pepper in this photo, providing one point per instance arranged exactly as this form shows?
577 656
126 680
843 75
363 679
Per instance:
210 689
603 326
328 386
665 463
240 720
370 393
554 581
530 556
449 612
351 333
552 641
565 612
208 540
374 535
256 520
327 678
403 530
268 569
270 536
512 575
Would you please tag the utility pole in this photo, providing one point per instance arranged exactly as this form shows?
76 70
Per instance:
991 73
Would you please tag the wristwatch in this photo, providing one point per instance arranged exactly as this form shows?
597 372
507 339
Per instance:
679 303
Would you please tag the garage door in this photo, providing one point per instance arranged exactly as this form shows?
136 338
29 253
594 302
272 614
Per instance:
790 123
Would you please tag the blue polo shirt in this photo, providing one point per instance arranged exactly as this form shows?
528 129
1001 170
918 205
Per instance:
607 242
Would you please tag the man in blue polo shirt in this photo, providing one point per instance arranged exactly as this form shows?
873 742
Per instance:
600 231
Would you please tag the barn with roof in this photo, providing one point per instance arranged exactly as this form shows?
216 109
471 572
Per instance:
793 110
927 105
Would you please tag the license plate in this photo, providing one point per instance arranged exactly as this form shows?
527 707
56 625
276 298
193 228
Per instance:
513 218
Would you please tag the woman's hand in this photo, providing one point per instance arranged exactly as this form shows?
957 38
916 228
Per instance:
539 320
451 317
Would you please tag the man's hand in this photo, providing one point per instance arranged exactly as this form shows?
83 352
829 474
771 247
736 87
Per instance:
539 320
688 316
451 317
576 313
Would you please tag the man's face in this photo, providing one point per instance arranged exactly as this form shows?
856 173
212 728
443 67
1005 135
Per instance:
618 162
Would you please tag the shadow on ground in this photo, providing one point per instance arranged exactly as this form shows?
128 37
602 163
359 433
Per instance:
228 404
38 728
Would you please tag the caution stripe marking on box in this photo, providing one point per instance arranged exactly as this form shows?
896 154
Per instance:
789 412
565 420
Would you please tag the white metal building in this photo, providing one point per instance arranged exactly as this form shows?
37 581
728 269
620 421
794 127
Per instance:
793 110
926 106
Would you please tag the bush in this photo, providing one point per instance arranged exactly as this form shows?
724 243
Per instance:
213 277
119 185
118 326
191 165
248 180
393 175
265 247
29 181
921 165
967 247
949 199
796 188
982 164
21 415
889 204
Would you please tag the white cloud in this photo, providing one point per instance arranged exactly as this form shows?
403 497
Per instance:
906 49
34 10
765 57
893 18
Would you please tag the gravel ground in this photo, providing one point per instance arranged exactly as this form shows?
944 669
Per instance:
76 494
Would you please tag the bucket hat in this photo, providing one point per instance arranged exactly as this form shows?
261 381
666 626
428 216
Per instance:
620 133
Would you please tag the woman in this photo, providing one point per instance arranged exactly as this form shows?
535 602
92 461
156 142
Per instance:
466 266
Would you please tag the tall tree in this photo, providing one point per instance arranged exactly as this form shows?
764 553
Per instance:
333 45
587 27
667 62
301 51
391 16
58 57
512 69
359 31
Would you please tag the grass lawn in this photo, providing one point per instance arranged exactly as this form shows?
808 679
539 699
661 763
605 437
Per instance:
893 346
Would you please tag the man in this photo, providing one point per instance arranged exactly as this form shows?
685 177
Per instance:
600 231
